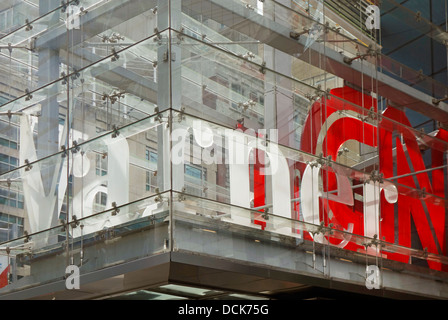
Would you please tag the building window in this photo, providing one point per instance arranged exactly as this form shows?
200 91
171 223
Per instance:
11 198
195 172
9 135
151 155
6 20
8 143
151 182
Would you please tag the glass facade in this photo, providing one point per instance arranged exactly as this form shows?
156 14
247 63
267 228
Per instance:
271 132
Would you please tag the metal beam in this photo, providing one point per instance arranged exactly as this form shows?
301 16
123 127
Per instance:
102 18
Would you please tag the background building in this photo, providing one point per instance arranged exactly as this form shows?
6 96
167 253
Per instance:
223 149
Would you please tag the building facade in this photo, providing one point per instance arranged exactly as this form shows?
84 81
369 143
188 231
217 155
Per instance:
270 149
